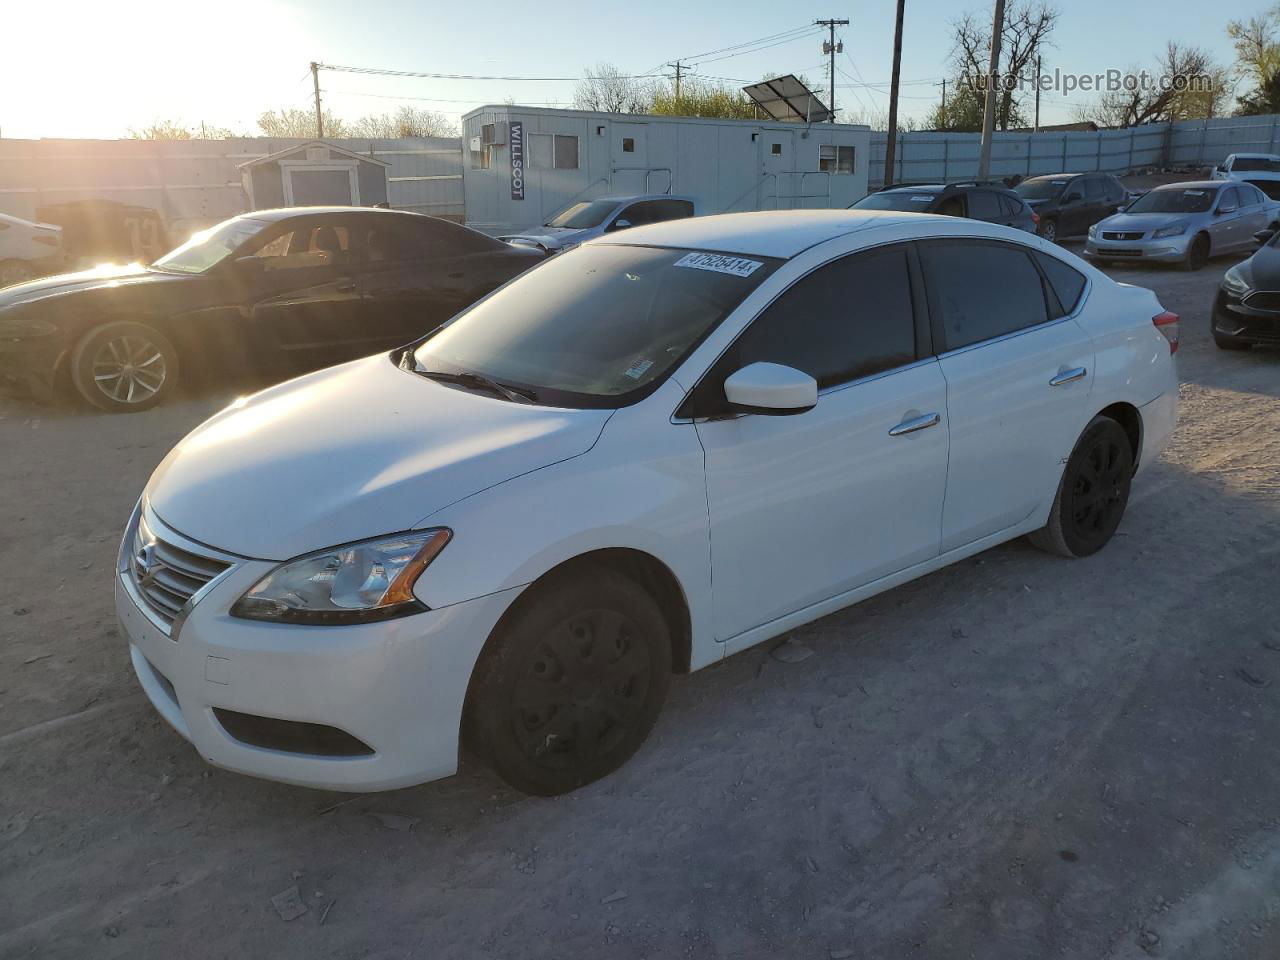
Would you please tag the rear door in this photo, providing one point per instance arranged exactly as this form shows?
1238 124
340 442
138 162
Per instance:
1073 213
1019 374
809 506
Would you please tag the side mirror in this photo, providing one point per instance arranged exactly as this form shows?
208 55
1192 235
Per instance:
1263 237
620 224
771 388
1226 208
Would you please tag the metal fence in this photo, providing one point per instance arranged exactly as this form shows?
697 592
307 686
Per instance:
940 157
193 183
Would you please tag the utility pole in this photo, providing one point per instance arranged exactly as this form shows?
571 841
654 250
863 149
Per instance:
1036 129
679 69
832 48
944 97
892 142
315 84
989 108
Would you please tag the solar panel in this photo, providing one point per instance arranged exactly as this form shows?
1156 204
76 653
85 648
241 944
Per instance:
789 100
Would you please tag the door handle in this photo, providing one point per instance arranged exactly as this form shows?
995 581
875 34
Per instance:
1069 376
922 422
455 276
347 287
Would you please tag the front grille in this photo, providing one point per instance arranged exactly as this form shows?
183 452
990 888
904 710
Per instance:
166 575
1120 235
1263 300
1120 252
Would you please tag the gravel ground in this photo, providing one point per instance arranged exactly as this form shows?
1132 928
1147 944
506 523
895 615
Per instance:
1018 756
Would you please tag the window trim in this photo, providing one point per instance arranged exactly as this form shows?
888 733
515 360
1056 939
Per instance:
921 328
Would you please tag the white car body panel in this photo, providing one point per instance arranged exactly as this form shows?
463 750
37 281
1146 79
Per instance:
764 523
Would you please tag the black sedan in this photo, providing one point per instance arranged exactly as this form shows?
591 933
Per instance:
270 289
1246 310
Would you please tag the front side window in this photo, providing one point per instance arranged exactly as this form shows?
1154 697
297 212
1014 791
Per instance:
583 215
1047 189
306 246
672 210
210 247
979 290
599 326
835 158
849 319
1092 188
1229 200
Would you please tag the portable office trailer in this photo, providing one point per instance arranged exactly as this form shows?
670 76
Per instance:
523 164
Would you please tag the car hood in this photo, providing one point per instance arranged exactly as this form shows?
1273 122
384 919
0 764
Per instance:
1144 221
1262 270
348 453
106 276
553 238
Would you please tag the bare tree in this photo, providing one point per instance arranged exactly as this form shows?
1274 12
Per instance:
1258 60
1184 88
173 130
1028 25
298 123
405 122
608 89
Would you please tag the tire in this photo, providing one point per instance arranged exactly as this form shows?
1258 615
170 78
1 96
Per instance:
1230 343
1049 229
15 271
570 683
124 367
1092 494
1197 253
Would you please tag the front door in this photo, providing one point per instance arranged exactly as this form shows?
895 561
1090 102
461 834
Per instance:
778 163
1018 384
809 506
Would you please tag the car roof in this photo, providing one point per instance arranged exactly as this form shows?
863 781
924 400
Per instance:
1052 176
628 198
1257 156
1194 185
283 213
764 233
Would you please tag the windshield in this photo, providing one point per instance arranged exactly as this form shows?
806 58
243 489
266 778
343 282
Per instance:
1173 201
1040 189
212 246
594 327
896 200
1255 163
582 215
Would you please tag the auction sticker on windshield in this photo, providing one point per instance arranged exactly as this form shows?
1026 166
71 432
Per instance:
719 263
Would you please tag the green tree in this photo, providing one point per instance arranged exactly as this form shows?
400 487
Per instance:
701 99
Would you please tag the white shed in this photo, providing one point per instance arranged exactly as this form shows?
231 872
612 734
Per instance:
523 164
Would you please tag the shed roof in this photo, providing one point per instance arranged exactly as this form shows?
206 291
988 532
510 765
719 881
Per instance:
300 147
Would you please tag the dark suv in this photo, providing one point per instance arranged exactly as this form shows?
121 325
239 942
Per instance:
991 202
1068 204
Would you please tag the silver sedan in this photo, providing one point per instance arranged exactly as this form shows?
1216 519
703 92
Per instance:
1184 223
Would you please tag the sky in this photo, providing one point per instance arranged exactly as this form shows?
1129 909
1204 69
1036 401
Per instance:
88 69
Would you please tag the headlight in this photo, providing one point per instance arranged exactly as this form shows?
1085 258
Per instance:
352 583
1173 230
1093 230
1233 281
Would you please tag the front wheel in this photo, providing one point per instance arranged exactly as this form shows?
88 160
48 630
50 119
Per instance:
124 367
1197 253
1049 230
1092 494
571 682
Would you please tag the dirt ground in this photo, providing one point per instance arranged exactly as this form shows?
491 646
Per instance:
1019 756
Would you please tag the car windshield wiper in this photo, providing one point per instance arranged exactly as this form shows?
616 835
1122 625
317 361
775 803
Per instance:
468 379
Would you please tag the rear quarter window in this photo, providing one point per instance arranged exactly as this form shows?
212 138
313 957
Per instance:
1066 282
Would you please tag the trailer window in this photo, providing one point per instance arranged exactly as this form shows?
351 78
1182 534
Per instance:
566 152
834 158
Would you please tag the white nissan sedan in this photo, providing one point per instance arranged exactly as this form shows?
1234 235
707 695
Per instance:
649 453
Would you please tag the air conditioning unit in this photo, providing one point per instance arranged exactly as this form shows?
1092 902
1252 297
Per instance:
494 134
475 144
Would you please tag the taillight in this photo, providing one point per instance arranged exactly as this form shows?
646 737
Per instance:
1167 323
1035 217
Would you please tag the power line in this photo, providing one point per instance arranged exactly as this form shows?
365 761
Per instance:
797 31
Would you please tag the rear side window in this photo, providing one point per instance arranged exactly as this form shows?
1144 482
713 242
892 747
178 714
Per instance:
983 205
979 290
1066 282
673 209
1093 188
849 319
1009 206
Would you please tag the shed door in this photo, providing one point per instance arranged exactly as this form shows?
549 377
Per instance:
318 188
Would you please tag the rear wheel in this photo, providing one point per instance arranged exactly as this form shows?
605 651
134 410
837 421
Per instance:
1197 253
571 682
1092 494
124 367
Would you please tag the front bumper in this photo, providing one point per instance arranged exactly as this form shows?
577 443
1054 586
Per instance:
1237 320
1166 250
397 686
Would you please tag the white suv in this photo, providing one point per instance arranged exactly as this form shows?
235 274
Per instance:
642 456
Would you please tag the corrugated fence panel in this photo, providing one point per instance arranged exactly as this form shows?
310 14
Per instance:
194 183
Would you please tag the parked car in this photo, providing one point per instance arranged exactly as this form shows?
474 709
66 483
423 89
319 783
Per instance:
658 449
585 220
988 202
27 249
1246 310
1185 223
274 288
1261 170
1068 204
